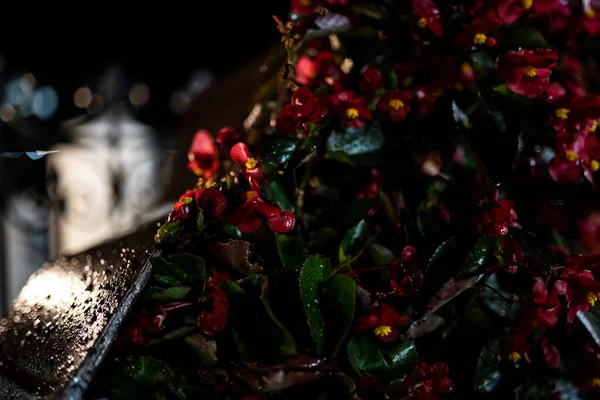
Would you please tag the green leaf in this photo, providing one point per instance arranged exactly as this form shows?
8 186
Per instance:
482 257
528 38
275 193
350 215
292 251
532 246
356 146
381 255
481 60
307 149
191 266
381 360
488 374
232 288
354 242
316 269
278 150
172 335
460 116
437 259
339 297
322 237
228 231
279 334
168 232
451 290
497 294
170 294
206 349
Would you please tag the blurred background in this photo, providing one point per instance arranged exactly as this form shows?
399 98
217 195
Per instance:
95 107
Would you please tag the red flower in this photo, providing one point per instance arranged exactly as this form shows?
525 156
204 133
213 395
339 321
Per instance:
466 76
303 108
227 137
551 354
429 16
578 286
383 320
305 6
427 381
212 201
591 19
405 73
557 19
511 255
590 232
576 113
477 33
181 210
322 68
372 191
498 217
406 277
395 102
511 10
250 214
513 347
140 329
203 155
426 98
217 278
527 72
576 154
541 311
240 154
353 110
214 317
371 80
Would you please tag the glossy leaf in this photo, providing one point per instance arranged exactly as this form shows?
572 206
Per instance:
450 290
192 265
354 242
488 374
521 37
276 194
278 150
228 231
168 232
380 254
482 257
355 146
292 251
170 294
351 214
315 270
338 301
497 294
370 357
532 246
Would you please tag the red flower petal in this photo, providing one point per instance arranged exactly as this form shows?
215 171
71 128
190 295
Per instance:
212 201
390 317
214 318
283 222
240 154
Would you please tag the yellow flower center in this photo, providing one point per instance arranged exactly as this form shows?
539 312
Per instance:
479 38
438 93
459 86
562 113
596 382
527 4
250 194
251 163
352 113
422 22
383 330
530 71
594 165
590 13
591 298
396 104
514 357
571 155
305 3
593 126
551 309
407 81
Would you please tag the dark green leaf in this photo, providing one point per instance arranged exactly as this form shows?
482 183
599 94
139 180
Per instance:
168 232
193 267
381 360
436 262
450 290
276 194
528 38
292 251
316 269
321 237
381 255
481 60
488 374
356 146
460 117
498 294
350 215
206 349
232 288
532 246
279 334
354 242
278 150
423 327
307 150
482 257
228 231
338 299
236 254
170 294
